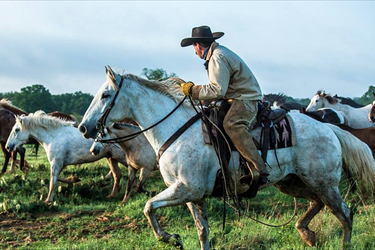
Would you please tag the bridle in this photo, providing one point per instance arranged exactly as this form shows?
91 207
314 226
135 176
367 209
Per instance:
103 119
101 122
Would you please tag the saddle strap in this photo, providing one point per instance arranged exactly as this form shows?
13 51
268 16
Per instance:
177 134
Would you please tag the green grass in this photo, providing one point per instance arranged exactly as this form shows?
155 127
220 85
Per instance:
81 216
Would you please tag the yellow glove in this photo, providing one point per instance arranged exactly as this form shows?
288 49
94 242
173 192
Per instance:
186 88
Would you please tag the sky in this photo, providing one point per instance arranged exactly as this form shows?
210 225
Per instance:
292 47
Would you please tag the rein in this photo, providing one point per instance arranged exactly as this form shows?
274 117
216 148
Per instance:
102 120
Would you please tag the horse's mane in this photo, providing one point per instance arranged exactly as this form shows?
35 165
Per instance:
169 87
279 98
348 101
329 98
40 119
6 104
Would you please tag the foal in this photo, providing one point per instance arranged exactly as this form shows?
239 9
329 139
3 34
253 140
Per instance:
139 153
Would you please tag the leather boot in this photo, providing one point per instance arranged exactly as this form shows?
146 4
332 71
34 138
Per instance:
237 123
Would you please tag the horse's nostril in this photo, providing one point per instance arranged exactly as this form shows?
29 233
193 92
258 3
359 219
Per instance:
82 129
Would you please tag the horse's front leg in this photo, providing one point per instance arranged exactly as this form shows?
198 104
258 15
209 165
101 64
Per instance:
6 156
176 194
14 161
199 212
55 172
22 152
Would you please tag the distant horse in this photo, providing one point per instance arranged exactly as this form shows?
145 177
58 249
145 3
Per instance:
6 104
64 145
311 169
356 117
7 120
64 116
138 151
280 101
367 135
348 101
371 114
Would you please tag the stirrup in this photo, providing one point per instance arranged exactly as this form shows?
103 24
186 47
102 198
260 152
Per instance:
254 174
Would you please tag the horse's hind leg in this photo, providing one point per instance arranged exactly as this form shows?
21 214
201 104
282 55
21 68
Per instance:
295 187
131 178
302 224
113 165
144 174
199 212
334 202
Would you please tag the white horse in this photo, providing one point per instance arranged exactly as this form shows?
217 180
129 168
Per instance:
138 151
311 169
356 117
64 145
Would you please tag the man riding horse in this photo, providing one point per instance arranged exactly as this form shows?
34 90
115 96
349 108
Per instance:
229 78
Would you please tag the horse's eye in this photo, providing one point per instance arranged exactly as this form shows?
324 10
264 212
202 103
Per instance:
105 95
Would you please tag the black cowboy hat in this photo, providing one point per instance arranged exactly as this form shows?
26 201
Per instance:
201 34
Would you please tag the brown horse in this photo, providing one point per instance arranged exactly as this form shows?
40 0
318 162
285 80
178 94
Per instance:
7 120
64 117
367 135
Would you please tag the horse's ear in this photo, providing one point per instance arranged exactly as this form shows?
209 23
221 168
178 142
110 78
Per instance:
19 118
110 73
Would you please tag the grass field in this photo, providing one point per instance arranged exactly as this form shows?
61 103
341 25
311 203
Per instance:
81 217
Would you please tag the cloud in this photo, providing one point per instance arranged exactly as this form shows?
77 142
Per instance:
292 47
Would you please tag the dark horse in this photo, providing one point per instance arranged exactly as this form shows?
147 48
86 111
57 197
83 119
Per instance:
7 120
348 101
280 101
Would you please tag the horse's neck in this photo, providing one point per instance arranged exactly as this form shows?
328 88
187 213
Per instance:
49 136
157 107
13 109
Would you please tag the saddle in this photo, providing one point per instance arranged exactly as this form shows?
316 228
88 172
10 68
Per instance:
215 135
266 118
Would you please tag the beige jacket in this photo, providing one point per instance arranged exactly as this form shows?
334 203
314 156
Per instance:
229 77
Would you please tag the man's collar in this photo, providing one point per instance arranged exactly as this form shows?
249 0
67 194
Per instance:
208 55
206 52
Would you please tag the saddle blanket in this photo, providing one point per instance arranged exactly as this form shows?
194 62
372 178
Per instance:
282 134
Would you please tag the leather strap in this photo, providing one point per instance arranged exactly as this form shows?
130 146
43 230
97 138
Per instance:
177 134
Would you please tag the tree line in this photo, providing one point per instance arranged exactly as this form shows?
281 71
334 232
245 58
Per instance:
36 97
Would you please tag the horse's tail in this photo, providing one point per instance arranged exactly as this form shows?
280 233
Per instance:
358 161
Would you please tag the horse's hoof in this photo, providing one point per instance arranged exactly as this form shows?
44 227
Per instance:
110 196
174 240
308 236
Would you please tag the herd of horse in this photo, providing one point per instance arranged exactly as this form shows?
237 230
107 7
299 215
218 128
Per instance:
130 119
